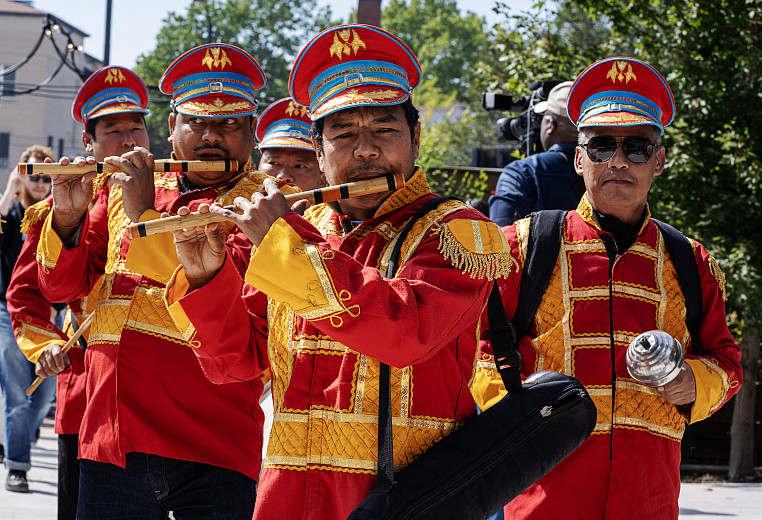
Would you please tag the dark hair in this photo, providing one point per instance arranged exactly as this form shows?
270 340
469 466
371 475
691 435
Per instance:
90 126
411 116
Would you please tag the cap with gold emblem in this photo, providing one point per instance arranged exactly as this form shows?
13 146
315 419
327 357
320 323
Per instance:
284 124
213 80
353 65
620 91
110 90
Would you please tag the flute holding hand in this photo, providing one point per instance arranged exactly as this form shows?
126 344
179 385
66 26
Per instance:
72 193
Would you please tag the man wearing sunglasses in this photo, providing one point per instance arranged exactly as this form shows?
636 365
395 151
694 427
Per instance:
613 279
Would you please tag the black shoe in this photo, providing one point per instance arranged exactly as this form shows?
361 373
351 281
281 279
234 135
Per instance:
16 481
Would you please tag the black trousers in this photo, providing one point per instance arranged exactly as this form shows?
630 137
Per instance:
68 476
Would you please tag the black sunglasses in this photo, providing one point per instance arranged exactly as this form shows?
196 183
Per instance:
35 178
601 148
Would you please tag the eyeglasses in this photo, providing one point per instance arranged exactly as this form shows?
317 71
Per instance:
602 148
43 178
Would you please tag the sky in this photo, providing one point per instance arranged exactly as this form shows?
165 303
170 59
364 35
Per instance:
138 21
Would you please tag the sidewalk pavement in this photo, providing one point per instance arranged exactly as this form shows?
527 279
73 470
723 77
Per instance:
712 501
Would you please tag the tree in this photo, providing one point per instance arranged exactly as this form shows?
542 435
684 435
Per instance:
273 32
712 186
447 43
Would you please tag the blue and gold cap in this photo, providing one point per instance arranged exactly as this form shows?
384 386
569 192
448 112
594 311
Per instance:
353 65
214 80
620 91
110 90
284 124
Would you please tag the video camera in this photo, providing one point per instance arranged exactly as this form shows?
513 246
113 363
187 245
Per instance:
525 127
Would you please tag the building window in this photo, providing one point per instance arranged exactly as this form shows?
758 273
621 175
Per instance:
5 141
8 83
60 148
50 142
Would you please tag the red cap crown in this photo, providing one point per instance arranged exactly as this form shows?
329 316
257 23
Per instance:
110 90
353 65
214 80
620 91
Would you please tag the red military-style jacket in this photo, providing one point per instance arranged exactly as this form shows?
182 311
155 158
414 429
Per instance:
145 389
323 315
629 466
30 316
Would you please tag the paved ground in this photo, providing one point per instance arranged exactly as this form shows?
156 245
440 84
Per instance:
715 501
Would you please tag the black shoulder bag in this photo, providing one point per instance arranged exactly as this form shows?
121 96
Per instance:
473 472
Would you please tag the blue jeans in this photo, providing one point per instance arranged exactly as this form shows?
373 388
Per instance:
150 486
23 415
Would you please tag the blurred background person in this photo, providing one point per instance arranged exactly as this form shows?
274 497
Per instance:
283 132
545 180
23 415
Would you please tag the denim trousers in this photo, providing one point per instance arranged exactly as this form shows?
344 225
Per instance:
150 486
23 414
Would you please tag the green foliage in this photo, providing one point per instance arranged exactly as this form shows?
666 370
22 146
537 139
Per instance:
449 143
272 31
710 54
447 44
713 183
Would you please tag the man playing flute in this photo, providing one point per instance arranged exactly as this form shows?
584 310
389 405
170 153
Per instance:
157 436
115 128
314 298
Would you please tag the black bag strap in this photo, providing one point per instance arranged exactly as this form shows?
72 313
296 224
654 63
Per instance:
684 260
385 438
543 245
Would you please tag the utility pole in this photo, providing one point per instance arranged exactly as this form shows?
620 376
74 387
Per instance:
369 12
107 43
209 28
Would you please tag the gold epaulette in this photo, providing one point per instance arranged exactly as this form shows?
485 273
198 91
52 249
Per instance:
35 213
99 182
719 276
477 247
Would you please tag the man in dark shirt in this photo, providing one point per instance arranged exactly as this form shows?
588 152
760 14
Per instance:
545 180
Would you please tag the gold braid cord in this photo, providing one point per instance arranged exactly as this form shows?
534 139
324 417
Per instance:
719 276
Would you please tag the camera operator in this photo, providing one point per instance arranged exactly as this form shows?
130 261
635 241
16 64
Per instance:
545 180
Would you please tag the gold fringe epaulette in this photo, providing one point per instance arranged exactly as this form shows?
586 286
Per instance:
34 214
719 276
477 247
99 182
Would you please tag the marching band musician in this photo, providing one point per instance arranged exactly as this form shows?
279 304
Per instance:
157 436
333 317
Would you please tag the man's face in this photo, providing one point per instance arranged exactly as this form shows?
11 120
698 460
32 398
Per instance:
363 143
618 186
293 165
37 186
116 134
196 138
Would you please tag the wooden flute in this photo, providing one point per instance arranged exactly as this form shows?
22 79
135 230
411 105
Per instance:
224 165
320 195
72 341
